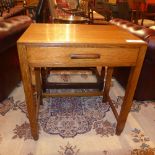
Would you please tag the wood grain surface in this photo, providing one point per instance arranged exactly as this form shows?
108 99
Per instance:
83 34
63 45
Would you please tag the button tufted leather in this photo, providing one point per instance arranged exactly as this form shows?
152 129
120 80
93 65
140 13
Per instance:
140 31
9 28
10 31
146 83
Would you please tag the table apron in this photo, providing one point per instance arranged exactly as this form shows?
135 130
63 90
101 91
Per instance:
84 57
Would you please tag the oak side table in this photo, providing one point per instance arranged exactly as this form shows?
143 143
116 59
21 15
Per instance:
79 45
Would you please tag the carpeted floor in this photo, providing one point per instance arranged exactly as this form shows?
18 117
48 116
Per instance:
76 126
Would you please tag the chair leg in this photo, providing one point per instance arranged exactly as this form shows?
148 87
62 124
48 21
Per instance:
142 20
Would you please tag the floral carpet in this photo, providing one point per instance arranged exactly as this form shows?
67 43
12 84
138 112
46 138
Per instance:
76 126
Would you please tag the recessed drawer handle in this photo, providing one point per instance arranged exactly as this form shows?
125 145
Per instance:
84 56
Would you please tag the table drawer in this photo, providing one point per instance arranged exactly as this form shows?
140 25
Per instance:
76 57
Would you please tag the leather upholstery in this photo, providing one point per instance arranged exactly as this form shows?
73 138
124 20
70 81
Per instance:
10 30
137 30
146 85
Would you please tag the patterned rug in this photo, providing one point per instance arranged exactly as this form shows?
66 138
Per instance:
69 116
76 126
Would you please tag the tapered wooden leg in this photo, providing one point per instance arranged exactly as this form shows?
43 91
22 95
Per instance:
29 97
127 102
109 73
129 93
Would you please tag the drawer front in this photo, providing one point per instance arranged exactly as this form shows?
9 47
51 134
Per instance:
76 57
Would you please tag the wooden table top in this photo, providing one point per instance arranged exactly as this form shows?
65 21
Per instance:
77 34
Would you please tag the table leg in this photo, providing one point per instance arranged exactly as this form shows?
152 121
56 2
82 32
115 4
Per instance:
27 83
127 103
129 93
109 73
106 96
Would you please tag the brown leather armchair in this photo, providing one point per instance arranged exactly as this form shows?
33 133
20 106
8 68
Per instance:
146 85
10 30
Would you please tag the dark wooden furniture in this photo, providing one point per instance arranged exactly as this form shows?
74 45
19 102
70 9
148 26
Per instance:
120 9
37 11
72 45
102 9
137 8
60 14
149 13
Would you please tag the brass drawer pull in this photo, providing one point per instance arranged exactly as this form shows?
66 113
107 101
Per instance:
84 56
